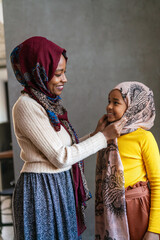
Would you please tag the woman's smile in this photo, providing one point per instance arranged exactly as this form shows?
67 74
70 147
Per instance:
60 87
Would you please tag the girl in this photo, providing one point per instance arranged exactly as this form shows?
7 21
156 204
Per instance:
125 208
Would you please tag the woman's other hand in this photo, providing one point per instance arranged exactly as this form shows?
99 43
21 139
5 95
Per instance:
102 123
113 130
151 236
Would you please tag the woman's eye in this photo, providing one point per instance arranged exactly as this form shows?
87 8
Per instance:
57 75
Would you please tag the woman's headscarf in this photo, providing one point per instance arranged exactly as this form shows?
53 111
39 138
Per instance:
110 206
34 63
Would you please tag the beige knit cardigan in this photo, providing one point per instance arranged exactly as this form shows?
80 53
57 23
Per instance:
44 150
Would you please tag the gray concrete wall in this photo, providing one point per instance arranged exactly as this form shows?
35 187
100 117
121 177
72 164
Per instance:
108 41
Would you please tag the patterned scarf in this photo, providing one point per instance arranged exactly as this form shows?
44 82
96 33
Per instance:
110 207
34 63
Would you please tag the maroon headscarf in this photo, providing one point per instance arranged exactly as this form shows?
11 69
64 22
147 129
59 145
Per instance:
34 63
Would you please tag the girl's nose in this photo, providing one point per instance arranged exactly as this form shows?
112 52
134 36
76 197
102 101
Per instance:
109 106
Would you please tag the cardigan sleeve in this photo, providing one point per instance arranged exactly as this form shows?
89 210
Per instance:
33 123
151 159
84 138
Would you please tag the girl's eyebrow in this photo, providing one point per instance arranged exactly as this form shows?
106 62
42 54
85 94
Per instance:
117 99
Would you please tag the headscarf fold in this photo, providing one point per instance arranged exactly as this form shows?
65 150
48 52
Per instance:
34 63
110 206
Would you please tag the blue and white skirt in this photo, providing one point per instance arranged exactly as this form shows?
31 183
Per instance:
44 207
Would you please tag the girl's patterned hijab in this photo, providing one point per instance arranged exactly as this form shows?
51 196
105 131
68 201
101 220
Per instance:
34 63
110 207
140 111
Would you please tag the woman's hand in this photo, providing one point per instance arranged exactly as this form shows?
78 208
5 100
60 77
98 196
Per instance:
102 123
151 236
113 130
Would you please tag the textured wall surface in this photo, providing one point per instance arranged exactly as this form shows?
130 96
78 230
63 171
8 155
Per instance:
107 42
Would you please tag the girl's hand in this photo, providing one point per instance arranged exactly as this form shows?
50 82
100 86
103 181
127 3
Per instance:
102 123
151 236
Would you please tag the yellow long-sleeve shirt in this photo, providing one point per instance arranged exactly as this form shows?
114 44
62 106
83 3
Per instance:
140 156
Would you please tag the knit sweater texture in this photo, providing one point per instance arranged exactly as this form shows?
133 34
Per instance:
44 150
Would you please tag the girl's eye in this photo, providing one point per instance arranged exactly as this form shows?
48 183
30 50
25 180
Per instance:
116 103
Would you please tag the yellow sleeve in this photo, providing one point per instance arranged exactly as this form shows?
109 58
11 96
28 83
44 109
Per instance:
151 157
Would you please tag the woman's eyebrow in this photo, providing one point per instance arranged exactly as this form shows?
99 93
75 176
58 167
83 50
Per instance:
59 70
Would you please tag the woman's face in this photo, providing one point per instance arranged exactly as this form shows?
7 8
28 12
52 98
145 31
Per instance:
56 84
116 106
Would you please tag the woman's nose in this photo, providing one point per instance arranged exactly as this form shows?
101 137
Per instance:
63 78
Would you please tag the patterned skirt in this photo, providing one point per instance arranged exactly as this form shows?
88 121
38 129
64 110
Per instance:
44 207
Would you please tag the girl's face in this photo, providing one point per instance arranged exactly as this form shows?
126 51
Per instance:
56 84
116 106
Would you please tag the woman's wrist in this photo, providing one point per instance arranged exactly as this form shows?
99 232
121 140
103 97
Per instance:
92 134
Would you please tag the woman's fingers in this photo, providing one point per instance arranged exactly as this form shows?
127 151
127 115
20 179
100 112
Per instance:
103 118
101 125
122 122
120 125
114 130
111 131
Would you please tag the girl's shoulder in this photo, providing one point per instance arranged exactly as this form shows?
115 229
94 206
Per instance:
143 134
139 136
146 138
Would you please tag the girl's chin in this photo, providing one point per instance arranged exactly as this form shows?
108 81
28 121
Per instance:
112 121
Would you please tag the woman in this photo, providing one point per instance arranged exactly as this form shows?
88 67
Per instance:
47 203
